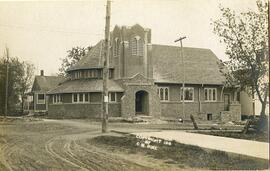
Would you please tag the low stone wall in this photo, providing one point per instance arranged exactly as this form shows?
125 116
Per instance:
174 110
234 113
78 111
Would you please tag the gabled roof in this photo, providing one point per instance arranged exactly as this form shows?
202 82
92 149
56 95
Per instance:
85 85
46 83
201 65
93 59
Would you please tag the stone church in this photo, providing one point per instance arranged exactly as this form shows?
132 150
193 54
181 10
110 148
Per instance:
145 79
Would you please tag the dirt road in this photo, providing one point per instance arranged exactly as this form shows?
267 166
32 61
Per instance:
62 145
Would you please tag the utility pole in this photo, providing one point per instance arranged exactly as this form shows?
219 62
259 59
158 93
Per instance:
105 97
184 75
6 97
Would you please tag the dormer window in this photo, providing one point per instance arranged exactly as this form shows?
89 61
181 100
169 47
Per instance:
116 50
137 46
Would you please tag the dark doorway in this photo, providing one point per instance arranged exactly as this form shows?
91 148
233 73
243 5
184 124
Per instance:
209 116
226 102
141 102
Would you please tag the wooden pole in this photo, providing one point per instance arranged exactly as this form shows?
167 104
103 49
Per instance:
105 96
184 76
6 97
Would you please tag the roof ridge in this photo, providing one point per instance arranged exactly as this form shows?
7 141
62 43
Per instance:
175 46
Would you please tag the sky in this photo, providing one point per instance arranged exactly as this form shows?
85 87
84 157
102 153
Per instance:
41 32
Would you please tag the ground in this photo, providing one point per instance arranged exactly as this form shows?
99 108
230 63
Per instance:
33 144
62 145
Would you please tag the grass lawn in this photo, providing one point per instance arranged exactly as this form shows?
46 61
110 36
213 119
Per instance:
181 154
251 135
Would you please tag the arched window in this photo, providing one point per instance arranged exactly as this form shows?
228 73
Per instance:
116 51
137 46
161 93
166 94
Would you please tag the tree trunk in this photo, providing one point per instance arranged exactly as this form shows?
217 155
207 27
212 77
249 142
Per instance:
194 122
22 105
246 127
263 124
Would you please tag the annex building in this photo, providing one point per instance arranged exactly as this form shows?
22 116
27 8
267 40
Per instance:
145 79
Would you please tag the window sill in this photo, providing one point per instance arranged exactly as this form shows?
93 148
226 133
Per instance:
75 103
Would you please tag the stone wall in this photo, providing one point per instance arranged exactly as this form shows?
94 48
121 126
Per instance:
132 86
76 111
174 110
234 114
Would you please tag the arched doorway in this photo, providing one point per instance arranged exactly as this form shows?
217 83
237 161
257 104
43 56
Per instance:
141 103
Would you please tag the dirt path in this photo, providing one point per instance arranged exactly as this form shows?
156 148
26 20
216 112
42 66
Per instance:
62 145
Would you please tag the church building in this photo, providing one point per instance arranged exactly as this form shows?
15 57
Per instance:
145 79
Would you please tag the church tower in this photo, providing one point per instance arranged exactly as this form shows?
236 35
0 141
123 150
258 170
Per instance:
131 51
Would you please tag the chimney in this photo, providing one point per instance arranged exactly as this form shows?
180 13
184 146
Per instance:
41 72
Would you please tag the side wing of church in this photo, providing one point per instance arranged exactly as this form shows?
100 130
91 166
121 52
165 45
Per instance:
146 79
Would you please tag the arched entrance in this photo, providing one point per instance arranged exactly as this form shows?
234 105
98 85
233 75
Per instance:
141 103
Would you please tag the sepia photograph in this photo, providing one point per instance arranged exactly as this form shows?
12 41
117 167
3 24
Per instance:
134 85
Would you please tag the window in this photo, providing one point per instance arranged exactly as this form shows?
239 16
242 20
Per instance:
40 98
80 97
110 73
116 49
86 97
210 94
163 93
57 98
137 46
112 97
188 94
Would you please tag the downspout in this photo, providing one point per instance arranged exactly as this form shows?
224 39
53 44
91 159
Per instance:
199 99
221 95
200 102
34 96
47 101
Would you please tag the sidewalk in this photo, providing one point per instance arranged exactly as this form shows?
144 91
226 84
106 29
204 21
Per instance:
233 145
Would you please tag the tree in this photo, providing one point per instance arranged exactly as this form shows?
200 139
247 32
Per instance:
74 55
20 77
246 38
25 81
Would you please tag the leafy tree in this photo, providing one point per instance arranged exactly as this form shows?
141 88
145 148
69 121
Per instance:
25 80
74 55
246 38
20 77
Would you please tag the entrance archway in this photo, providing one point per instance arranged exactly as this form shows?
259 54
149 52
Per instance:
142 103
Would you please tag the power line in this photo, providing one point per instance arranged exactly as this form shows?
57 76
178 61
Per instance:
46 29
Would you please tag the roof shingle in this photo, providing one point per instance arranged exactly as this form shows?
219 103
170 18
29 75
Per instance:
201 65
93 59
46 83
85 85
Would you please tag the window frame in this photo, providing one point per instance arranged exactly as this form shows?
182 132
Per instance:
115 97
137 48
162 90
185 96
41 101
57 99
210 95
116 50
77 95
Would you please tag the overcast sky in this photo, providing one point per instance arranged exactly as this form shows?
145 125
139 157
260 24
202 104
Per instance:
42 32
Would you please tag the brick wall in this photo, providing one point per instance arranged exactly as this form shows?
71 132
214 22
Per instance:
76 111
132 86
